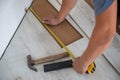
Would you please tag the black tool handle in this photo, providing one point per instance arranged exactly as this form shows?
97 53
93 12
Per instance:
58 65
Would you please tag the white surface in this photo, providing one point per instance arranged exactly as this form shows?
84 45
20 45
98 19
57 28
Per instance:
83 15
113 53
32 38
11 13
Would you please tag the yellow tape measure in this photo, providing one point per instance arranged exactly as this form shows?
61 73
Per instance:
55 37
91 66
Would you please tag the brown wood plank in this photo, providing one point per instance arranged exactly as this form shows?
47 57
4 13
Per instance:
89 2
65 31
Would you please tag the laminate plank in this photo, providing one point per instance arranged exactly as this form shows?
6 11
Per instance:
113 53
103 71
75 47
89 2
31 38
11 14
80 15
88 30
65 31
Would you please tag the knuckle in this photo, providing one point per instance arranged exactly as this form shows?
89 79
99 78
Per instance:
81 72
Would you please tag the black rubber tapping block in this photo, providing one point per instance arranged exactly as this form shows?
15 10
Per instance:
58 66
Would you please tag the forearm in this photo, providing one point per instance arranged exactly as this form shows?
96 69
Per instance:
99 42
66 7
102 35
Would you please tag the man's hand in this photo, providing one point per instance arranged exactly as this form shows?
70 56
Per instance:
52 20
66 7
80 66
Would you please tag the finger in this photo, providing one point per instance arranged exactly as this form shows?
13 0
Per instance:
78 69
46 19
47 22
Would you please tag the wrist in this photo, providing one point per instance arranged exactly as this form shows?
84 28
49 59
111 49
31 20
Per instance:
85 61
60 17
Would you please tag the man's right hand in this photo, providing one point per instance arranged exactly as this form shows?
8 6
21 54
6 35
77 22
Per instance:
52 20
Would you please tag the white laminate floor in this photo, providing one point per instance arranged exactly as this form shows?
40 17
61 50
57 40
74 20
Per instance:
11 14
32 38
84 16
113 53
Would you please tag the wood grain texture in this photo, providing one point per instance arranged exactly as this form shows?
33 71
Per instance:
88 28
57 6
89 2
66 33
32 38
80 15
113 53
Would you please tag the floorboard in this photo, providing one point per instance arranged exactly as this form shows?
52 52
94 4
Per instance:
86 23
113 53
32 38
9 23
